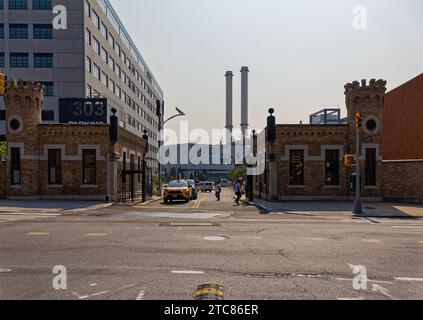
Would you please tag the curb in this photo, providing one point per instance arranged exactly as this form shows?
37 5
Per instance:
261 207
147 202
96 207
267 210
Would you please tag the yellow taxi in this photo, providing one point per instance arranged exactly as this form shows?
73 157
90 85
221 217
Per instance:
177 190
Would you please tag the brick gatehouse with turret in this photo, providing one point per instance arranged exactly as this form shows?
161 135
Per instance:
305 162
66 161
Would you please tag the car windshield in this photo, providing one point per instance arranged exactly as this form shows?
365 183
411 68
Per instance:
178 184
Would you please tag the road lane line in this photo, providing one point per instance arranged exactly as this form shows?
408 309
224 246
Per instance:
4 270
409 279
187 272
30 214
89 295
140 295
371 241
369 280
351 299
199 203
379 289
408 227
35 234
96 234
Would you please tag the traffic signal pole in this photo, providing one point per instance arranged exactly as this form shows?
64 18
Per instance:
358 207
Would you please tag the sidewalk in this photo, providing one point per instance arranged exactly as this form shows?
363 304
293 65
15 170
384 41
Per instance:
315 208
50 206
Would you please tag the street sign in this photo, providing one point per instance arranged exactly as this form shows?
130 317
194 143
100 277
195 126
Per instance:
83 111
349 160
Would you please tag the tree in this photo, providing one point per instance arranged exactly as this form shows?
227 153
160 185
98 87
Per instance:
237 173
201 176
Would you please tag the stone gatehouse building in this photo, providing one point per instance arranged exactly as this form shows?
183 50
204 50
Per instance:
305 162
64 161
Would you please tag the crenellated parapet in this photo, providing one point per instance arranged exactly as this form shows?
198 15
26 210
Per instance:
24 94
359 94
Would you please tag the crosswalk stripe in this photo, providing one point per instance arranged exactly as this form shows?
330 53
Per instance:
30 214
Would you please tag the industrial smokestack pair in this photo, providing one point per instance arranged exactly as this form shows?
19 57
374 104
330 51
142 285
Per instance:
244 100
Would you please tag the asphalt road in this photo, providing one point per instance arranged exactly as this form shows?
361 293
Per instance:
162 251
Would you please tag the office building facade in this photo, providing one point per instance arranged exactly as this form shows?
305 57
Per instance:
94 56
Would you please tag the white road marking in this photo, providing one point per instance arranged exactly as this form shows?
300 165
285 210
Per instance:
369 280
371 241
408 227
351 299
89 295
4 270
214 238
187 272
382 290
314 239
93 284
140 295
409 279
30 214
191 224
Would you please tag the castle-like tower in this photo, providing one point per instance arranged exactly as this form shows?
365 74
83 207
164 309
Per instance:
24 103
367 99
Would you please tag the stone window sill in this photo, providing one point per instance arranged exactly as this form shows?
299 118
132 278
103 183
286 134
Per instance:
89 186
58 186
296 187
332 187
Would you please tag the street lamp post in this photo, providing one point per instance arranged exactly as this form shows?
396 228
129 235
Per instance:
161 125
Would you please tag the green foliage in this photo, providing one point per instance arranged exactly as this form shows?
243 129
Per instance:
201 176
3 148
238 172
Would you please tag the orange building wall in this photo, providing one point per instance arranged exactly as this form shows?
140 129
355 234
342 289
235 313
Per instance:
403 121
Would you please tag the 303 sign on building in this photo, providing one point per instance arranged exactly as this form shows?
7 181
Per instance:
83 110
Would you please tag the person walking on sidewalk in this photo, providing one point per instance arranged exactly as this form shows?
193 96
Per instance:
218 188
238 194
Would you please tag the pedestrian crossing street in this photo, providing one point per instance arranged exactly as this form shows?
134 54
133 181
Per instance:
21 216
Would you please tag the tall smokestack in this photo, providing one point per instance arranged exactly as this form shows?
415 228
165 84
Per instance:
244 100
229 101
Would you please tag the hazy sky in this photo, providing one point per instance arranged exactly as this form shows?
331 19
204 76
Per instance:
300 53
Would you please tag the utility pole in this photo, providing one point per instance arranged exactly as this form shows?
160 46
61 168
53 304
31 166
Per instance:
358 207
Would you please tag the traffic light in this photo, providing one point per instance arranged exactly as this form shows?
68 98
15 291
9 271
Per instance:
3 83
358 120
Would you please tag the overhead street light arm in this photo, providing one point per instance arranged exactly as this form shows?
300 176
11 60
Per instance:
180 114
